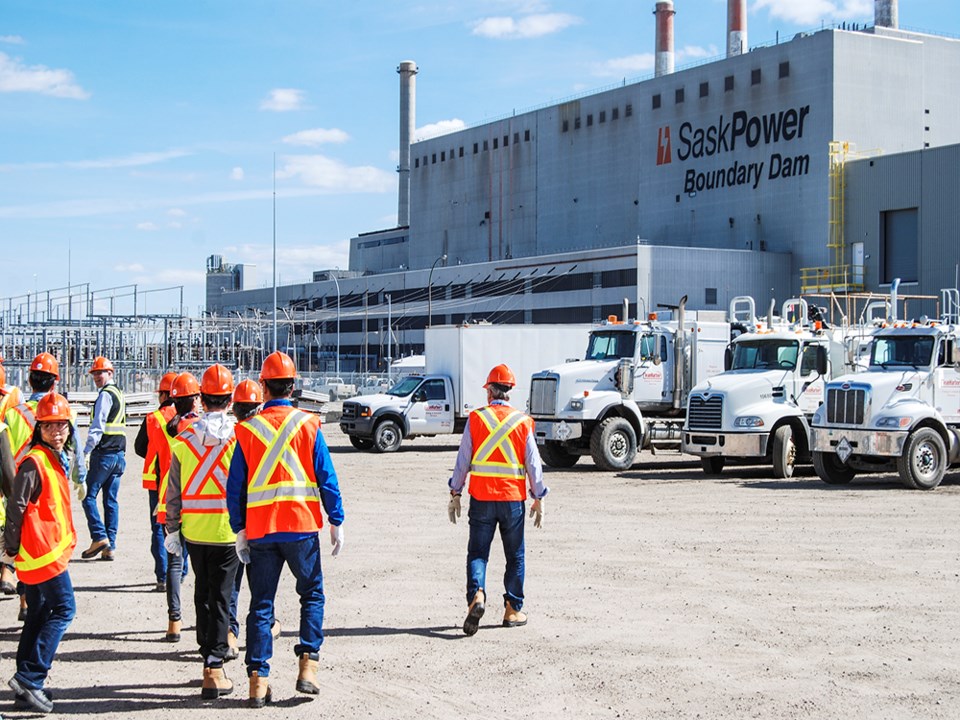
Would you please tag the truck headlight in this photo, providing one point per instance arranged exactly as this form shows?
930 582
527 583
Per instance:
576 405
749 421
895 422
364 411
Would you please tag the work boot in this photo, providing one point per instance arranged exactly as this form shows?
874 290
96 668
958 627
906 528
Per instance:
21 702
161 586
22 615
173 631
474 613
260 692
215 683
8 584
275 629
233 648
96 547
36 699
107 554
513 618
307 679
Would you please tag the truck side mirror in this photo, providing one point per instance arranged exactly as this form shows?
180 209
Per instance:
821 360
420 396
623 377
953 353
727 358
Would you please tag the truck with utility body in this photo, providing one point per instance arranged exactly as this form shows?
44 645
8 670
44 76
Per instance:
629 391
458 359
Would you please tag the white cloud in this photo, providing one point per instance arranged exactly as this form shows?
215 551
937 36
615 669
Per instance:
293 263
809 12
628 65
528 26
17 77
132 267
12 39
147 226
438 128
236 173
176 212
323 172
317 136
134 160
689 53
283 100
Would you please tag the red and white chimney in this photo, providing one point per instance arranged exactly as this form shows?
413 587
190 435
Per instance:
736 27
664 57
886 13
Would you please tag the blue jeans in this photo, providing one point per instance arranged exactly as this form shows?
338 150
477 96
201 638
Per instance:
50 608
484 516
156 540
104 474
266 562
177 567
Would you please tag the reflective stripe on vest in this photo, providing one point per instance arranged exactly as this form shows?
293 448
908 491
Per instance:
21 420
498 439
203 481
260 491
164 455
116 423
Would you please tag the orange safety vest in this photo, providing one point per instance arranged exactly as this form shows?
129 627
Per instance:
47 536
282 492
164 454
157 439
203 488
499 434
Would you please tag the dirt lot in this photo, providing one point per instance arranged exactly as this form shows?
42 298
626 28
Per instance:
655 593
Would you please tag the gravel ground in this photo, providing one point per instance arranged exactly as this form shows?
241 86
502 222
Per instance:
654 593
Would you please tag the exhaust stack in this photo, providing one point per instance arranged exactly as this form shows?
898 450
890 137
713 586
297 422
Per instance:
408 121
665 56
886 14
736 27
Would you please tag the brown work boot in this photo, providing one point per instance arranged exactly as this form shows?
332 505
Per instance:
307 679
8 582
474 613
233 647
513 618
173 631
260 692
96 547
215 683
107 554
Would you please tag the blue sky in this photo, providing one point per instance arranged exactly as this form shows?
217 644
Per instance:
142 135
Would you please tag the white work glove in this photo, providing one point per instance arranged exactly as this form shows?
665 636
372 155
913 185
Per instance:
172 543
336 539
453 508
81 488
536 512
86 462
243 547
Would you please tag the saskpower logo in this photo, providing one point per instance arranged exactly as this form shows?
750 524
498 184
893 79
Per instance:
664 153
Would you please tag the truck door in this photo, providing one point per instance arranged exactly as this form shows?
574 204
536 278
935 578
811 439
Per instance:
946 384
653 378
431 408
810 398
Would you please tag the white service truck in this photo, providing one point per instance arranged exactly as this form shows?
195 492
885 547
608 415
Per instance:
903 412
458 359
760 407
629 391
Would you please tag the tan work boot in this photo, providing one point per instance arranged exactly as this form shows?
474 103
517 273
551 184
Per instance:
215 683
513 618
173 631
8 582
307 679
233 647
107 554
474 613
96 547
260 692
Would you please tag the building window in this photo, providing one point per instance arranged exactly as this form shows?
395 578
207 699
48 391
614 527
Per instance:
655 103
506 140
728 83
576 123
784 70
678 96
710 296
443 156
461 151
451 153
476 148
628 110
526 136
566 125
433 159
615 113
495 145
485 146
755 76
416 163
899 233
603 116
704 89
590 120
516 138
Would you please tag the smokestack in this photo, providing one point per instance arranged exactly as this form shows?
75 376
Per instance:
664 58
736 27
886 13
408 121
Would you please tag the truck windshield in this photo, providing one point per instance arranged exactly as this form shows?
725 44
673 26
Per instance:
611 345
406 386
905 350
765 354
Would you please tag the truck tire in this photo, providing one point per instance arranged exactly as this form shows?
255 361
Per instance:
784 452
361 443
924 460
556 455
713 464
613 444
387 436
831 470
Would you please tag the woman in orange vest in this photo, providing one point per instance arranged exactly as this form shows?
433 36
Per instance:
40 537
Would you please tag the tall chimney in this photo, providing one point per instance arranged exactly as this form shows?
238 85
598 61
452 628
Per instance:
736 27
886 13
664 58
408 122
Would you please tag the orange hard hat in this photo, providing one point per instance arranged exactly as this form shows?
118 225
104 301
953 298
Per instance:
100 363
166 382
278 366
45 362
184 385
501 375
217 380
248 391
52 407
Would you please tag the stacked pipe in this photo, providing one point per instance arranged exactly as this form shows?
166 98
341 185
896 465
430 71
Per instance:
408 121
664 43
736 27
886 13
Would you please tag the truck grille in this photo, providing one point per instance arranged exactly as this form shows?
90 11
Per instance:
705 413
543 397
350 411
846 407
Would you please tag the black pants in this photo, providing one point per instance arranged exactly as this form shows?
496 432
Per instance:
215 570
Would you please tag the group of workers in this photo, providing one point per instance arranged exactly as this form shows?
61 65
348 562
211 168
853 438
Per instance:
236 476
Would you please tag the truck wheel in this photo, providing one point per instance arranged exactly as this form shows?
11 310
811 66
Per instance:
831 470
924 460
712 465
784 452
557 456
361 443
613 444
387 436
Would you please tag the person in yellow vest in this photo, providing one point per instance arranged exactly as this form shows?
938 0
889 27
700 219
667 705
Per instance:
280 474
7 472
150 442
499 455
197 508
10 395
40 538
105 457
